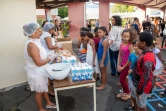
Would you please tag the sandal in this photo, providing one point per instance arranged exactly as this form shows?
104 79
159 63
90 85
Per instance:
99 84
125 97
99 88
120 95
49 107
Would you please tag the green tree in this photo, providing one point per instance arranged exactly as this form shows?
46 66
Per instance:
120 8
63 12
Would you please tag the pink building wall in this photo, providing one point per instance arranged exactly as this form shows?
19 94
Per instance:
143 9
104 13
76 16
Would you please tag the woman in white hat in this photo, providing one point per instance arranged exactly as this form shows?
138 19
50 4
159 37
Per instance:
49 44
36 62
46 40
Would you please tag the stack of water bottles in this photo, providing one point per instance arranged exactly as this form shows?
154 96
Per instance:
81 71
71 60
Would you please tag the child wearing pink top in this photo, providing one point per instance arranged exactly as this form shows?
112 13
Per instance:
96 38
128 35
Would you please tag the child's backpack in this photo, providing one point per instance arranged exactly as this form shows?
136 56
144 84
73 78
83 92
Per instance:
135 26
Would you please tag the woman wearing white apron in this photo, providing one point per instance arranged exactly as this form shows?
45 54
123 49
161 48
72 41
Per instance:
36 62
49 44
46 40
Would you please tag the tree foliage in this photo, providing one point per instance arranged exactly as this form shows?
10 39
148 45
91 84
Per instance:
63 12
120 8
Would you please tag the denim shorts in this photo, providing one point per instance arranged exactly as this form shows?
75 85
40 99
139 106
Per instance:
105 61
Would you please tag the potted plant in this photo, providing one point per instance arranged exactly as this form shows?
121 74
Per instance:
65 29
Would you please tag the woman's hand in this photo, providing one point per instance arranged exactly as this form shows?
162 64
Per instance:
59 45
52 57
55 33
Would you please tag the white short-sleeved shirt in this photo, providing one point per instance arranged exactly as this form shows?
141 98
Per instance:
158 62
43 42
115 35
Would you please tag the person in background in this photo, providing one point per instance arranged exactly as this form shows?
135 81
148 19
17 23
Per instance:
114 42
97 23
146 24
56 29
36 62
56 23
49 44
157 30
131 61
102 54
136 25
129 24
159 63
91 57
125 26
89 26
128 35
148 18
164 37
96 40
44 22
81 45
139 24
161 27
153 27
143 72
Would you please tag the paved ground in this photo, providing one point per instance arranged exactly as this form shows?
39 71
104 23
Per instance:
80 99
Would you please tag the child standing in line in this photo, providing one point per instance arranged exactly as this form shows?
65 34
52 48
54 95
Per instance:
128 35
82 45
91 57
131 61
159 63
102 54
96 40
143 72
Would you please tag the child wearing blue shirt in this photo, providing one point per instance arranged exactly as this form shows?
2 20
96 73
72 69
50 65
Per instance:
131 61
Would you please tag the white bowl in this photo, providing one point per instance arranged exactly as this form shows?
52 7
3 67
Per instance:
64 70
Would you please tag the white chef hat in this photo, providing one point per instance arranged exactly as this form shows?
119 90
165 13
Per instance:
29 29
48 26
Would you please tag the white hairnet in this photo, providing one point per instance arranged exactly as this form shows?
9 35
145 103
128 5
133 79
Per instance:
29 29
48 26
